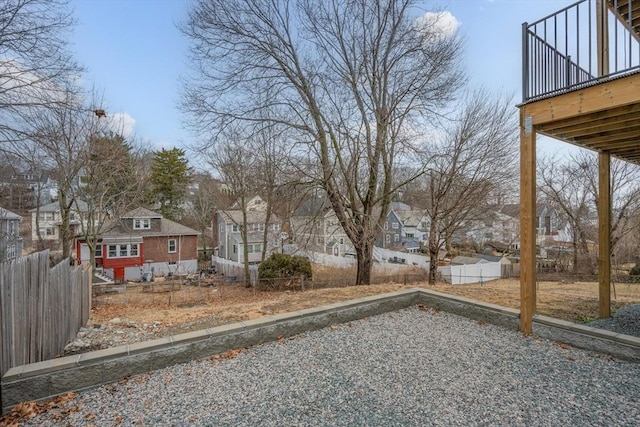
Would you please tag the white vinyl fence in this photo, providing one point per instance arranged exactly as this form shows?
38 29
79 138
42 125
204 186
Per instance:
471 273
234 270
386 255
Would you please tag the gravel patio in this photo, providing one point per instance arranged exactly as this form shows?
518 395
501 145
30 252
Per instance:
411 367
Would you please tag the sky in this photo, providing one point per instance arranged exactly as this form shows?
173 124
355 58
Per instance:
135 55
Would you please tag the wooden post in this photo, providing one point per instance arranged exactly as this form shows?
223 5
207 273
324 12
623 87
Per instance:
527 224
604 234
602 37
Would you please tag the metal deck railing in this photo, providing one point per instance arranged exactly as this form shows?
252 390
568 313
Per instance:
560 51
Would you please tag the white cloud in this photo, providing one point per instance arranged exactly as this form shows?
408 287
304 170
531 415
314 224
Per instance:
120 123
443 24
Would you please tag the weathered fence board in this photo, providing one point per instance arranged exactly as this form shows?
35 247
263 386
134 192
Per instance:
42 309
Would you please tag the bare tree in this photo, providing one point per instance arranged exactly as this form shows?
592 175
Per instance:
34 60
566 186
476 155
355 78
59 137
625 192
202 206
110 185
235 161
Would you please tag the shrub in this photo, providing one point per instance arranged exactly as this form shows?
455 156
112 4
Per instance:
635 270
285 266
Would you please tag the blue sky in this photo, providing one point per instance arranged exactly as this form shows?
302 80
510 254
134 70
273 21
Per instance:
135 55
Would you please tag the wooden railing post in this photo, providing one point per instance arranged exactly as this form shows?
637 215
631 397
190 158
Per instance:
527 223
604 234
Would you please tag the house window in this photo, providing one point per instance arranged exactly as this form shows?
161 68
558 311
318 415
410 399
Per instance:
388 238
396 238
48 231
235 249
258 227
12 227
394 225
11 252
46 216
98 251
123 251
172 246
235 228
142 224
255 248
276 227
386 225
342 240
410 235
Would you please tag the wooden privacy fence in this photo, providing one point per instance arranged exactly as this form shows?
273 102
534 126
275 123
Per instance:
42 308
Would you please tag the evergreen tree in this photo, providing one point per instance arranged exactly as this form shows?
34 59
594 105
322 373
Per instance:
170 175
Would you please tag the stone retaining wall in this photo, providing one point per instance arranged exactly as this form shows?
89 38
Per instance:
46 379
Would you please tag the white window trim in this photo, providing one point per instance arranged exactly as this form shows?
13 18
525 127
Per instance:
142 223
130 251
11 252
175 246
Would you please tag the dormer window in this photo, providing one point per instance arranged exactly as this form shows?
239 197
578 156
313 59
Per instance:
142 224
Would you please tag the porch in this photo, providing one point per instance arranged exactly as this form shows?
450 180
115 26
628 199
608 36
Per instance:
580 85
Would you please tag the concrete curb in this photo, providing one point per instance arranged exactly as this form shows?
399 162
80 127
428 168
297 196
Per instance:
43 380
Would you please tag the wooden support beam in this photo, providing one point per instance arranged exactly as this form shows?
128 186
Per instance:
607 95
527 224
602 37
604 234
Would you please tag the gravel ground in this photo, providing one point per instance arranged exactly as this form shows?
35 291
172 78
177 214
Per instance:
411 367
625 321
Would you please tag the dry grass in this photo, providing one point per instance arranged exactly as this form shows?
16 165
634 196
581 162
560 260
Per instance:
227 303
575 301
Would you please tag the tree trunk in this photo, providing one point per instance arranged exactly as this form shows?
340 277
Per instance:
433 253
364 254
65 230
575 250
245 248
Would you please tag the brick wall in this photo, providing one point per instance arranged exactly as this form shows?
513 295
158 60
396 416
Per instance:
157 248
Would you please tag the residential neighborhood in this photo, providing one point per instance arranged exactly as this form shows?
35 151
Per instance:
320 212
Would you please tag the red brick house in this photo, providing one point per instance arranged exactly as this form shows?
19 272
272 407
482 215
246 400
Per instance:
140 242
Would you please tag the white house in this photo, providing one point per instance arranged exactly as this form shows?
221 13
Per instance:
10 240
46 220
316 227
230 244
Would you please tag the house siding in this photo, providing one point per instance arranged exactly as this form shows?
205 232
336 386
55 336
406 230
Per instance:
157 248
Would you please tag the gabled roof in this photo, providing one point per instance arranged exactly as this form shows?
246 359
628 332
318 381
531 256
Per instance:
78 205
399 206
467 260
312 207
124 226
141 213
7 214
512 210
253 217
410 218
